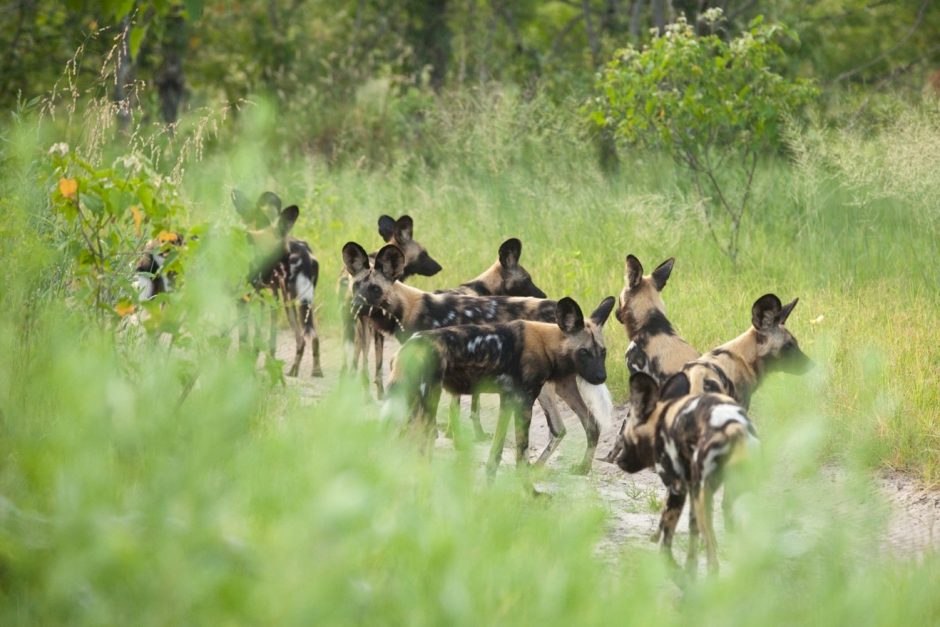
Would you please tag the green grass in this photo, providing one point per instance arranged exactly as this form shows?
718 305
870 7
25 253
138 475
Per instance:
125 499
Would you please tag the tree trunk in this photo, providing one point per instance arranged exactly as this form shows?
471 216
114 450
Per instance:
591 34
122 76
171 82
659 15
431 40
635 11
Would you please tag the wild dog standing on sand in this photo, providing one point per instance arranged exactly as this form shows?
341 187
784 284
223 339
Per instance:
691 439
655 348
358 329
150 277
403 310
513 359
286 266
506 277
735 369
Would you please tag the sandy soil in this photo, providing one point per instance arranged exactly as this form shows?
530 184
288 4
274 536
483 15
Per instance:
634 500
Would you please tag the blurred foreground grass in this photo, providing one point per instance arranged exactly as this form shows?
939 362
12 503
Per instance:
127 498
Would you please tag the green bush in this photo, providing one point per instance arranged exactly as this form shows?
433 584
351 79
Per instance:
714 105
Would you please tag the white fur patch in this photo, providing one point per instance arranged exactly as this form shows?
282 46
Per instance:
598 401
304 289
723 414
145 287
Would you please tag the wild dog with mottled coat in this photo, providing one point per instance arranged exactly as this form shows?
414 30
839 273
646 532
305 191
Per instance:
506 277
358 329
513 359
286 266
655 348
691 439
402 310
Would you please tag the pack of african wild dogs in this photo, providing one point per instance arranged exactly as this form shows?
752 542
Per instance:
498 333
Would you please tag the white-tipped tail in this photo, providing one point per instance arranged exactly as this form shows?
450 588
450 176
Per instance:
598 401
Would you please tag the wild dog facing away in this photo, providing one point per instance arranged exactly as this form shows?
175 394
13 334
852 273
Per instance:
357 329
403 310
692 439
655 348
506 277
286 266
513 359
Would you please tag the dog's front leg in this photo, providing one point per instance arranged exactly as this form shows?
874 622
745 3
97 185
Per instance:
567 389
379 341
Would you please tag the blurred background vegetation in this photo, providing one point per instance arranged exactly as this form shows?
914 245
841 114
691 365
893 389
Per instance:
152 474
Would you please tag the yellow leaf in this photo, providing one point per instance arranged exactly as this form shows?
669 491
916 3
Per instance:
138 218
68 187
168 237
123 309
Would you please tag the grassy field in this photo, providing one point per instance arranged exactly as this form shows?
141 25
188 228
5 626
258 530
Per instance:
127 494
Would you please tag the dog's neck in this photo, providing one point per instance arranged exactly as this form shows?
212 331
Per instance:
745 364
487 283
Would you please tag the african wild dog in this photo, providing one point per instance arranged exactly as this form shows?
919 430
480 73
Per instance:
691 439
654 348
735 369
358 329
513 359
506 277
286 266
397 308
150 277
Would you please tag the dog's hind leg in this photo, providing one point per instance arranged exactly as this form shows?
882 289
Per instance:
272 336
310 333
499 436
668 521
556 426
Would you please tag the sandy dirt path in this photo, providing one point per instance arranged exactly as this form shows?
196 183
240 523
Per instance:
632 500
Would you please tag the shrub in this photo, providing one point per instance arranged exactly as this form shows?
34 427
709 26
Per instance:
714 105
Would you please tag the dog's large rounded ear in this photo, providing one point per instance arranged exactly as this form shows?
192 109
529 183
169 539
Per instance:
387 227
355 258
644 394
287 219
765 312
390 262
269 199
568 315
509 253
246 211
633 272
676 386
600 315
404 229
240 201
661 273
786 311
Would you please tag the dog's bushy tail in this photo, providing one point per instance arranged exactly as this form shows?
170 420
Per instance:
598 401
